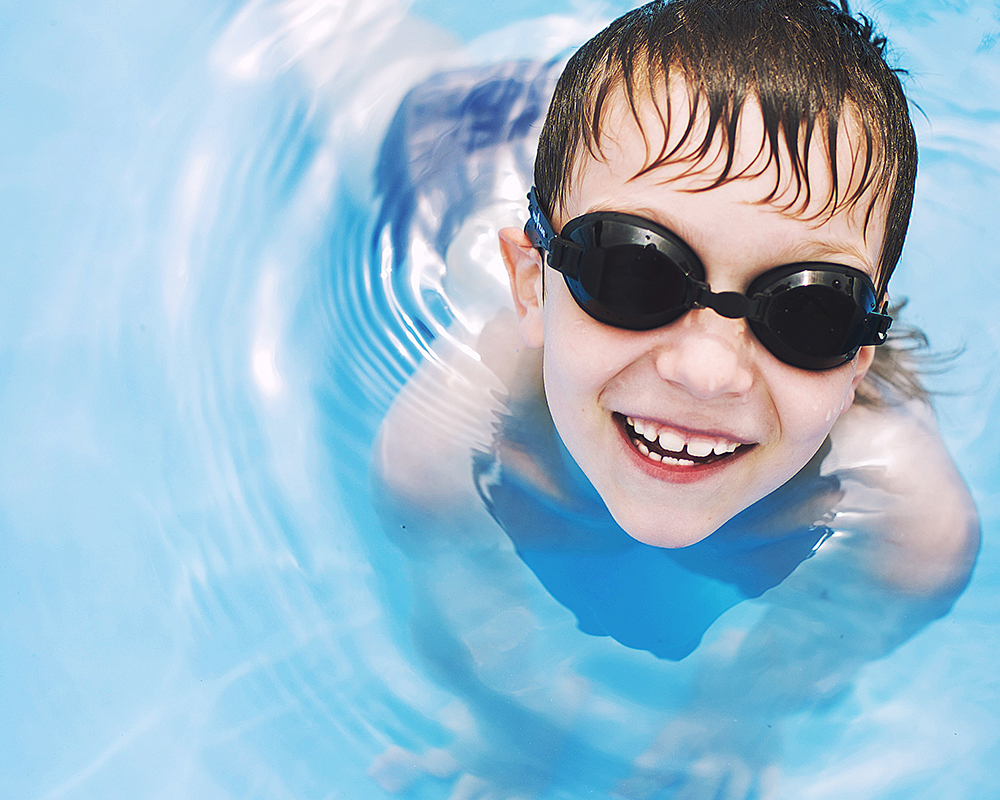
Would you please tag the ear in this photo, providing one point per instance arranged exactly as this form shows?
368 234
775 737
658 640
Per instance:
865 357
524 269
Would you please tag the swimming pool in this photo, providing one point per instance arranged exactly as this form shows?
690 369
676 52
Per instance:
193 600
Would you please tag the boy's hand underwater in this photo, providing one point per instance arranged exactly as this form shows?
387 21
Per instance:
705 757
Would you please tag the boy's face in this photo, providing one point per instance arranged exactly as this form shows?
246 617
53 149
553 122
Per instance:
704 379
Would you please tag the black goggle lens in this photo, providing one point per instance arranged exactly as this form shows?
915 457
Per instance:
628 285
816 316
631 273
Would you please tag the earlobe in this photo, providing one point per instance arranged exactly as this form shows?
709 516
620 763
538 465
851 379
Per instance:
865 357
524 270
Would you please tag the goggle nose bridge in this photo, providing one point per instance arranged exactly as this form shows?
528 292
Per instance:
731 305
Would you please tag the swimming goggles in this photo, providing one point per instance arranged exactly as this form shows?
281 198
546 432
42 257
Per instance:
632 273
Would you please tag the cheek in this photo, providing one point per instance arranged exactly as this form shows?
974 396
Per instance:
580 360
812 403
570 378
577 359
564 380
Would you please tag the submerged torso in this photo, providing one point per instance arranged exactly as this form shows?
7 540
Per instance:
644 597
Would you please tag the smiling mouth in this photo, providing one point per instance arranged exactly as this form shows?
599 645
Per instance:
669 446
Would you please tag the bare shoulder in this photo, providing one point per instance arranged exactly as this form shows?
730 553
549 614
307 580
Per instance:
902 489
443 416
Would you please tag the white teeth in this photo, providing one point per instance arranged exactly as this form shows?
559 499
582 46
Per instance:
643 428
672 441
699 448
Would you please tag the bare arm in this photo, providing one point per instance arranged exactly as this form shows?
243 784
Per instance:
903 492
446 412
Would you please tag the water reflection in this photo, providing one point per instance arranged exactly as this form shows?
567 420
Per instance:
201 330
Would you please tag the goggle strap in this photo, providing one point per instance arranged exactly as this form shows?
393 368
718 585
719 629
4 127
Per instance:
538 228
564 255
878 325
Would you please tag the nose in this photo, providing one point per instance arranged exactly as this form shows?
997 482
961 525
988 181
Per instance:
706 355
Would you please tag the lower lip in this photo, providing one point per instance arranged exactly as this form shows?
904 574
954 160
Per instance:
676 473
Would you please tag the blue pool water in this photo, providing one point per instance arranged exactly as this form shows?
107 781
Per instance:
201 326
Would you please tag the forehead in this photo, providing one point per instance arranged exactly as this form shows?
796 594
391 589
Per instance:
665 136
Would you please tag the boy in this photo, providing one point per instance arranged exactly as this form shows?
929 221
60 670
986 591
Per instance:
722 190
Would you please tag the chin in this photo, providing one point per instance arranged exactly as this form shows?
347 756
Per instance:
672 536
